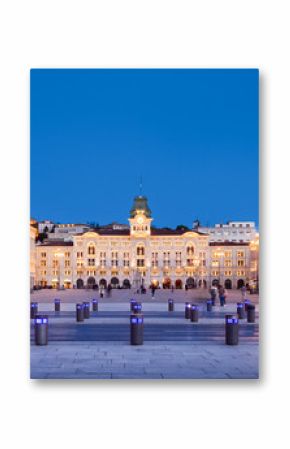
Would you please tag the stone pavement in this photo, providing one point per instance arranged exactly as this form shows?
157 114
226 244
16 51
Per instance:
152 361
174 348
119 296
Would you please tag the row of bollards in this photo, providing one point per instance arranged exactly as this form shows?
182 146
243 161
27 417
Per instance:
83 310
137 319
244 310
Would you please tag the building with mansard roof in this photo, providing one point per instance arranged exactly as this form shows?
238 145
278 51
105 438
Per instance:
139 254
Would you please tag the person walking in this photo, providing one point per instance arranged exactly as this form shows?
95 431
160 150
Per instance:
222 295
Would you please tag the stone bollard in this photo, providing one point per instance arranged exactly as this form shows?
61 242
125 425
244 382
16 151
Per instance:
41 330
251 313
187 310
194 313
57 305
231 330
241 311
209 305
137 307
80 312
136 329
33 309
86 309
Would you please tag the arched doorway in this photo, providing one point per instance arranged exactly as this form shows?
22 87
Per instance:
228 284
80 283
126 283
154 283
204 283
178 284
240 283
215 282
114 282
199 283
166 283
91 282
190 283
103 283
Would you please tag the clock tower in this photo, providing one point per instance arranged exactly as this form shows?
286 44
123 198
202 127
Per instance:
140 217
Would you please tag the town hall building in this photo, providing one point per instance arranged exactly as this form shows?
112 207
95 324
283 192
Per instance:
141 255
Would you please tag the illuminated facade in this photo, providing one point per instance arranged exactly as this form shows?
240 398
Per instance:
143 255
32 262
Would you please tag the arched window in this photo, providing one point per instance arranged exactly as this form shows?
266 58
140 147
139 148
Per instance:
91 249
190 250
140 250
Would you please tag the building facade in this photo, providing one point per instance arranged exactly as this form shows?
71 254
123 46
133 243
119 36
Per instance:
140 254
233 231
32 262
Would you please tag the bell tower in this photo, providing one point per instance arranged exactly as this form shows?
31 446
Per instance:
140 217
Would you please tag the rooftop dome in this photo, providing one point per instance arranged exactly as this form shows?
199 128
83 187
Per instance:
140 203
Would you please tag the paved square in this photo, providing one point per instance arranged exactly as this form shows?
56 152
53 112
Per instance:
174 348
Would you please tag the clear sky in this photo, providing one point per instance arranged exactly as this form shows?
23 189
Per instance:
191 134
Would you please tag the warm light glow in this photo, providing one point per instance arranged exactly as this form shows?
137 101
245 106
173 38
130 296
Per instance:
58 255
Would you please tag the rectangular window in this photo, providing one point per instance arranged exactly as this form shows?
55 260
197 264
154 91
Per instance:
240 254
91 262
140 262
79 254
241 263
228 254
43 263
43 254
66 263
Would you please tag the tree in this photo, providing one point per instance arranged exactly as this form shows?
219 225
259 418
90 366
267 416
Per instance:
41 236
182 227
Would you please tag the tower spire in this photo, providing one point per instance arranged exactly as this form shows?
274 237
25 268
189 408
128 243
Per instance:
140 186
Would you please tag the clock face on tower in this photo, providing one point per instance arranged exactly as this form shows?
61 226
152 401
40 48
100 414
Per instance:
140 220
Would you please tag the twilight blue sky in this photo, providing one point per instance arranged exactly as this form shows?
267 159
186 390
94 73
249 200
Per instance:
191 134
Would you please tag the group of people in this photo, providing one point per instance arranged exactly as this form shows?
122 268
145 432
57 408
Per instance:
218 291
